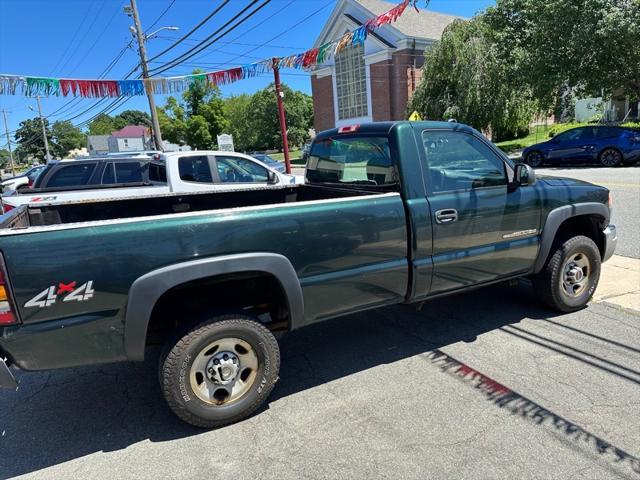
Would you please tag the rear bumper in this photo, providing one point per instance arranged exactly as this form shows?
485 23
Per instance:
610 242
6 377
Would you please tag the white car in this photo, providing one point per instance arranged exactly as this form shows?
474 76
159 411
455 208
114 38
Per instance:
173 172
22 182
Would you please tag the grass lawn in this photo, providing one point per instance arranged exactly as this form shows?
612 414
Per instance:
293 155
539 133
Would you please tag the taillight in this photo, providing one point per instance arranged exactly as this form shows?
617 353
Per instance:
6 207
30 183
349 129
7 310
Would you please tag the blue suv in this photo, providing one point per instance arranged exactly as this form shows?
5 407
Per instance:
610 146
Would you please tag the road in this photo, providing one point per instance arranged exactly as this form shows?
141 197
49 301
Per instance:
484 385
481 385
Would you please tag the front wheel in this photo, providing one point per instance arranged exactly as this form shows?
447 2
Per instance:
534 159
610 157
571 276
221 371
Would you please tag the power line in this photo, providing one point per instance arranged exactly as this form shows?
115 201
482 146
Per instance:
77 32
208 52
85 33
96 40
184 37
185 56
161 15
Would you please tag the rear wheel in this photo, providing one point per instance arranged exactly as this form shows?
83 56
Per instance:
610 157
534 159
221 371
571 276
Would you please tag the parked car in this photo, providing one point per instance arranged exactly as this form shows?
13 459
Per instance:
391 213
610 146
270 162
22 182
174 172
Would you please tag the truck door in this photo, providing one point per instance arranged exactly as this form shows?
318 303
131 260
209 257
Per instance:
482 229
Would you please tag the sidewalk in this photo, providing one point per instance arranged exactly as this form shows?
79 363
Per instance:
620 283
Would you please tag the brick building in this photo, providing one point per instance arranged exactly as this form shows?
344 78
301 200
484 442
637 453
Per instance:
372 82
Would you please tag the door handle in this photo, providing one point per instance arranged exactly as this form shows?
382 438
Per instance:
448 215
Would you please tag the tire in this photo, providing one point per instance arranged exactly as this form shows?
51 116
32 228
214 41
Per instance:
557 285
610 157
534 159
237 344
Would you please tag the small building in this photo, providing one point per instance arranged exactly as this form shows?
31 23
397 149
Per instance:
98 144
618 108
132 138
374 81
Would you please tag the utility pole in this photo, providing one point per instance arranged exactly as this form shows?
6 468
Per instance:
157 136
283 120
6 131
44 130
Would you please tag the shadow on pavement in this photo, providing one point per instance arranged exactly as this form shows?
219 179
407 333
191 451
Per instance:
63 415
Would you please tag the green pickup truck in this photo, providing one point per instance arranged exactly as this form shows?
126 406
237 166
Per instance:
390 213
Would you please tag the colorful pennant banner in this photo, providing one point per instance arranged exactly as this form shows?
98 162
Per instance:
31 86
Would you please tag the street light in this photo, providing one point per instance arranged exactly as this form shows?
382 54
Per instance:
153 34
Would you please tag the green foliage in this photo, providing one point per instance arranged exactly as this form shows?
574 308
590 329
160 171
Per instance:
104 124
465 79
197 133
181 120
265 123
4 158
586 45
65 137
30 140
522 57
251 119
237 113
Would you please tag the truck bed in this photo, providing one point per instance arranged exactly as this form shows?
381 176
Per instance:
153 205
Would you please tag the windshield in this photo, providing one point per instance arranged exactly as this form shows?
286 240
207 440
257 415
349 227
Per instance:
352 159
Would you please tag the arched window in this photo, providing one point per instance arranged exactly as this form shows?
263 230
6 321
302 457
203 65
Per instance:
351 83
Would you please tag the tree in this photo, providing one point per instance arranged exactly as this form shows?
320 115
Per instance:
132 117
264 119
30 140
197 133
199 100
65 137
4 158
237 113
103 124
464 79
589 46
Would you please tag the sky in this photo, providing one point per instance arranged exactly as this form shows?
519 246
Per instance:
82 38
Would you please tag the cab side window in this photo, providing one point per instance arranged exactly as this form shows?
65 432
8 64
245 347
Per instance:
71 175
195 169
240 170
459 161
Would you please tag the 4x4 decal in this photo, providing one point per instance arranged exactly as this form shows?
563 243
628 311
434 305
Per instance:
67 291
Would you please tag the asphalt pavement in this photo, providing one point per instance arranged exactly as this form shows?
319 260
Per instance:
481 385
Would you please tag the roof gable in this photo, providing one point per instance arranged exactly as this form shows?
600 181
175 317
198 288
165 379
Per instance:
422 24
131 131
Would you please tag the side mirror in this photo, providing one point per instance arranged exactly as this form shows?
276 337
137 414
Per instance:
272 177
524 175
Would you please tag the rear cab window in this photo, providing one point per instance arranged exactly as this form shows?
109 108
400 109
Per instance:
195 169
124 172
71 175
352 159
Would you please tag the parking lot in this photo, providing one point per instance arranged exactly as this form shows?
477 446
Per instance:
481 385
